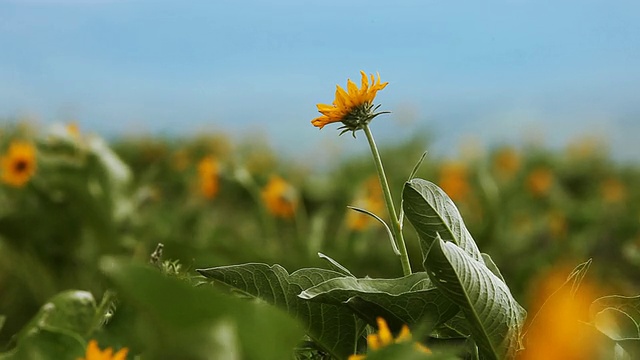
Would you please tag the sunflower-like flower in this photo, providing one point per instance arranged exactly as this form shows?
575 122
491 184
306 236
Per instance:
385 338
18 164
558 330
94 353
208 176
280 197
354 107
539 181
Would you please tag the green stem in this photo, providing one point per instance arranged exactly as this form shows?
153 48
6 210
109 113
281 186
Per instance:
395 223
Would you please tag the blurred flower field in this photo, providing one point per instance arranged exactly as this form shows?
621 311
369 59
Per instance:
81 220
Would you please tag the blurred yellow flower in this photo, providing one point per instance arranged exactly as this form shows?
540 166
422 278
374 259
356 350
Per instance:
558 331
453 180
539 181
506 163
385 338
586 147
613 190
208 176
353 107
73 129
280 197
18 164
369 198
94 353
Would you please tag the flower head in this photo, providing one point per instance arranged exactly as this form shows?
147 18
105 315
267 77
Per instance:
453 180
73 129
385 338
539 181
94 353
353 107
18 164
208 176
558 330
280 197
506 163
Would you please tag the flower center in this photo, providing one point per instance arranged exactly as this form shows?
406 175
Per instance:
20 166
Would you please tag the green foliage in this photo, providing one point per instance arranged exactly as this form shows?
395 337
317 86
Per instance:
434 214
87 200
495 318
58 330
412 299
334 328
175 320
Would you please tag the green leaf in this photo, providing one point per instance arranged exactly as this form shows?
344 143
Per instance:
432 212
631 347
335 328
57 330
47 344
492 266
408 300
335 265
71 310
495 317
179 321
617 316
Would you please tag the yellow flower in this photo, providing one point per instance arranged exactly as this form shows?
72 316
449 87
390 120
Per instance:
453 180
506 163
18 164
370 198
208 175
354 107
94 353
539 181
385 338
280 197
73 129
558 331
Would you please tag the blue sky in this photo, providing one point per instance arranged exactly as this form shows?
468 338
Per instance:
496 70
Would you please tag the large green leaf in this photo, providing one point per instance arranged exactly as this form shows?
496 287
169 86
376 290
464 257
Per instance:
410 300
335 328
47 344
618 317
432 212
495 317
71 310
57 329
178 321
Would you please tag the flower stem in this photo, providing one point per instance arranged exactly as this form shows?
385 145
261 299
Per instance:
395 223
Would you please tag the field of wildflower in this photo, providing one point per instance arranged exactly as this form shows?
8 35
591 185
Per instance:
204 248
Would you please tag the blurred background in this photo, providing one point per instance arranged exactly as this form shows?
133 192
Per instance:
125 124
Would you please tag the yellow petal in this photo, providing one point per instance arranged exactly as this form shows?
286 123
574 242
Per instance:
405 334
352 88
384 333
422 348
121 354
357 357
373 342
365 82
